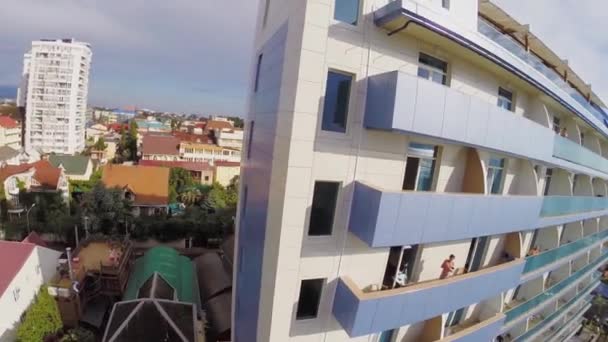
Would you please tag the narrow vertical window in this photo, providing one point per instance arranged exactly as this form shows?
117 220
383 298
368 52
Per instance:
505 99
495 174
257 73
548 175
420 167
556 125
582 138
323 208
266 8
250 140
432 69
310 298
347 11
445 4
337 98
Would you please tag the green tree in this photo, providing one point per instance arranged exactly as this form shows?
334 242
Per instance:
41 319
105 208
100 144
126 150
88 185
180 181
176 124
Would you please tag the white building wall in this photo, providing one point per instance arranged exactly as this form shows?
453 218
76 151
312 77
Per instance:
303 154
39 268
57 90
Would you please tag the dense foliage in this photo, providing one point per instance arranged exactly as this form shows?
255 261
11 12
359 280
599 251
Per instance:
41 319
106 209
180 181
127 146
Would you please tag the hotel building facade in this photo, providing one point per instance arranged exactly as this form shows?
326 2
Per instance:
382 138
54 92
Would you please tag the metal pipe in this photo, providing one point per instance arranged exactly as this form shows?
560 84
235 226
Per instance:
69 254
403 27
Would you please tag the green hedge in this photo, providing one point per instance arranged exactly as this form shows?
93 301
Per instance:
42 318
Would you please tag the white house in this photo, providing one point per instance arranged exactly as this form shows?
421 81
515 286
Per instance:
24 268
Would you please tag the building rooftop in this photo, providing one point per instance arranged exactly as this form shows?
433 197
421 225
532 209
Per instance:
190 166
72 165
160 144
175 270
520 32
44 173
13 256
8 122
224 163
7 152
149 184
34 238
215 124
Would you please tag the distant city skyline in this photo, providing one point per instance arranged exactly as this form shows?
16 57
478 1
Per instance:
195 56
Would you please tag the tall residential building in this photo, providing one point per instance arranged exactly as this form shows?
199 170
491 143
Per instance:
385 136
54 92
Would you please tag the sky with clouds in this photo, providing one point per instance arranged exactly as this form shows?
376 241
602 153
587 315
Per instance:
195 55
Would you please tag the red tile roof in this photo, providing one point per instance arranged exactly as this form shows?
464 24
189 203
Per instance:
226 163
189 137
117 126
215 124
34 238
13 256
190 166
45 173
8 122
160 145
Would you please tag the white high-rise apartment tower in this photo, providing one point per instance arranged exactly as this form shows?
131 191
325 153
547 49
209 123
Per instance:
54 92
385 136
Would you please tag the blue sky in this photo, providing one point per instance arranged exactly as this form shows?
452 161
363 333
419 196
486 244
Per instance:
195 55
179 55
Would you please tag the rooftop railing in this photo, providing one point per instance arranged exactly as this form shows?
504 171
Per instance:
518 50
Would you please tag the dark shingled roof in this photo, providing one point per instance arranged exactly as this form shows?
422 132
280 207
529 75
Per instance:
73 165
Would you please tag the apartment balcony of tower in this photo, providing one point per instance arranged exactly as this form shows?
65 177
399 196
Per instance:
412 171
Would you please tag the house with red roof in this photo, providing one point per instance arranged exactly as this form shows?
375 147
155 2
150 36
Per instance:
39 176
10 132
24 268
160 147
201 172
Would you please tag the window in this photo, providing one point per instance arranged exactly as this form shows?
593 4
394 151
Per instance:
556 125
548 175
505 99
495 171
582 138
347 11
432 69
445 4
250 139
257 73
323 208
206 178
266 8
337 97
420 167
574 181
310 298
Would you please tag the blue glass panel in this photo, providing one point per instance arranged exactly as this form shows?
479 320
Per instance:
347 11
566 205
553 291
543 259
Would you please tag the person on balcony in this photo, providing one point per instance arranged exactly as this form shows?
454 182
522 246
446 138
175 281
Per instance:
447 267
563 132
